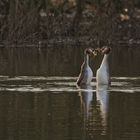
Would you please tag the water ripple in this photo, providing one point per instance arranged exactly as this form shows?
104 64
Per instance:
63 84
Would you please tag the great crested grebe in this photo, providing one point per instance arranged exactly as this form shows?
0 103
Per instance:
102 75
86 74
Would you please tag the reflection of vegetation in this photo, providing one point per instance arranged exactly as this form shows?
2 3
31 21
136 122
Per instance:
24 21
39 116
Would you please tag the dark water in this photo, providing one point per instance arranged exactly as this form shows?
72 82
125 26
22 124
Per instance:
35 108
46 107
65 61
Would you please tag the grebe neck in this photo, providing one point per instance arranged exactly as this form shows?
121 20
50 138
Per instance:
105 61
86 59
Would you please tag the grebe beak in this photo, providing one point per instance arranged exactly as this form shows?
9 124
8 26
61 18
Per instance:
96 51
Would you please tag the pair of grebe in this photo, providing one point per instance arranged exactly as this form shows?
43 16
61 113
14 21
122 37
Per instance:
102 74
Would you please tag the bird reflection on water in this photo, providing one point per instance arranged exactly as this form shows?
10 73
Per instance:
94 107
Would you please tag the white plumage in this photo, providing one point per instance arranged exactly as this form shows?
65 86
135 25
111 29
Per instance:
102 75
86 74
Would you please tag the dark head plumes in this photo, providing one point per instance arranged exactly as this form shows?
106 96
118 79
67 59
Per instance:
88 51
106 50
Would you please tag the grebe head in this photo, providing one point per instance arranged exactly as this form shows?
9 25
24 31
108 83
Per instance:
88 51
105 50
92 51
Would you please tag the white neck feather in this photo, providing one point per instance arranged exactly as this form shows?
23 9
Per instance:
105 61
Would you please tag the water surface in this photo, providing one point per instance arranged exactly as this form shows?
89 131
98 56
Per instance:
65 61
34 108
39 99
